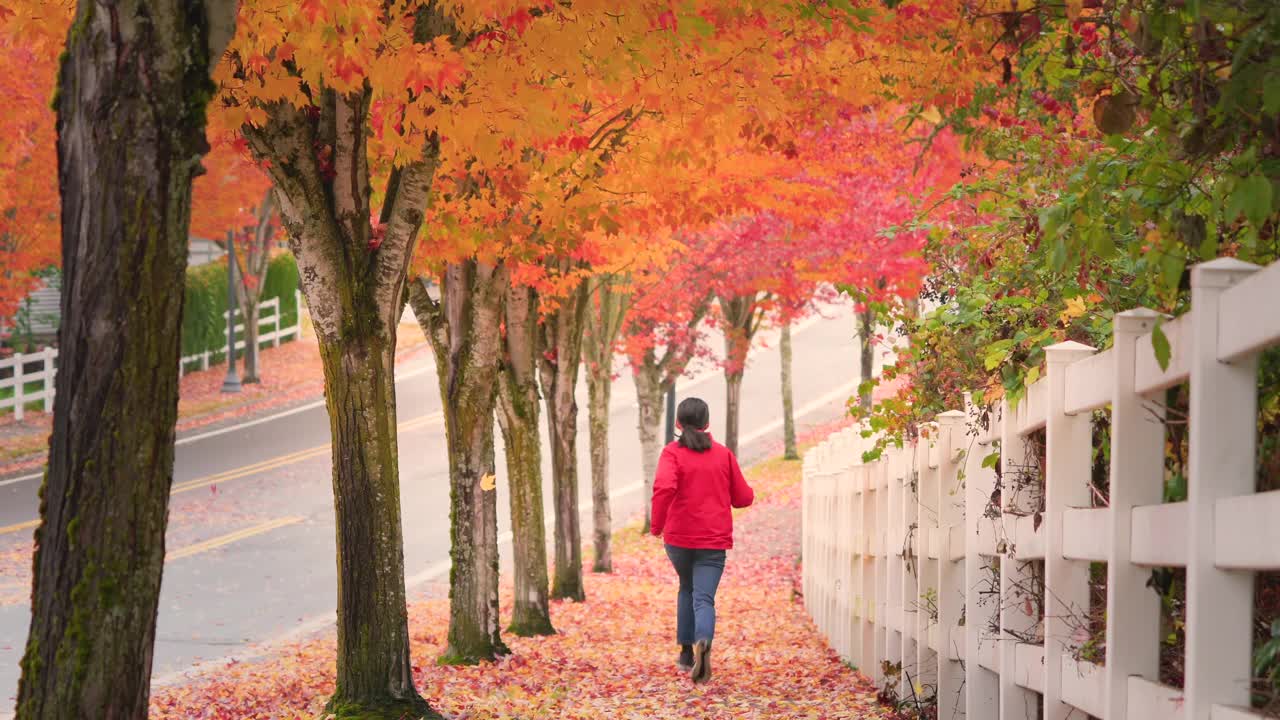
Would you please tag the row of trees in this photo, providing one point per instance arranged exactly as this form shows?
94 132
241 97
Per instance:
588 178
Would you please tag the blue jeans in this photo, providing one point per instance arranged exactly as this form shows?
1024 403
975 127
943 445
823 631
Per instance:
699 572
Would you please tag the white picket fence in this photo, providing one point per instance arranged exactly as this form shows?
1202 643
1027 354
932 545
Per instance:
268 316
978 588
16 372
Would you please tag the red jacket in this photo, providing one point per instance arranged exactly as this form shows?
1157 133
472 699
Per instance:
692 496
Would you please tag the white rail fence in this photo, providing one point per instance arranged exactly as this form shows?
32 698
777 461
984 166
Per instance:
978 585
28 378
268 316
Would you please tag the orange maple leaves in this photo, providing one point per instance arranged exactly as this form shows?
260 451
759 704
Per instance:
29 228
225 197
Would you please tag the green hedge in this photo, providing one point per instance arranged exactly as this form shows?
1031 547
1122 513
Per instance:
203 327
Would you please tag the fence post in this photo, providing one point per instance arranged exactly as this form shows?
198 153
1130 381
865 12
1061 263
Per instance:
1016 702
981 685
951 438
863 641
806 530
895 533
1136 478
880 611
19 388
275 336
908 544
1220 459
925 516
297 318
845 530
50 383
870 570
1068 466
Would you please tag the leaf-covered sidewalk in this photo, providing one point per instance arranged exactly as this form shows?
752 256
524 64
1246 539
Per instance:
615 654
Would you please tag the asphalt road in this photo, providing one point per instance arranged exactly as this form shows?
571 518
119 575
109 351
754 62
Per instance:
251 554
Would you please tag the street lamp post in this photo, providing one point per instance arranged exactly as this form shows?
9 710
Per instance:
231 384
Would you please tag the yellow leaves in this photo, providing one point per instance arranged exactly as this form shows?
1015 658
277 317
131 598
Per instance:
280 87
1076 307
489 482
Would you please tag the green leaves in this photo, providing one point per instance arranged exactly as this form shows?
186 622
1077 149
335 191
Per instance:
996 353
1251 197
1160 344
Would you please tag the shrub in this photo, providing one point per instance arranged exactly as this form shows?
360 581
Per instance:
203 325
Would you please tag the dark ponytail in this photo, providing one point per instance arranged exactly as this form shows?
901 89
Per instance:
694 417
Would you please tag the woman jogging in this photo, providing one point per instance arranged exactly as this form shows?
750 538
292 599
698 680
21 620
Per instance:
697 484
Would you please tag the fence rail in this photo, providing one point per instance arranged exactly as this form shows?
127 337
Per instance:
268 316
976 582
27 378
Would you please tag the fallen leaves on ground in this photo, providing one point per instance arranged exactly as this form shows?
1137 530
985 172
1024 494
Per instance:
614 656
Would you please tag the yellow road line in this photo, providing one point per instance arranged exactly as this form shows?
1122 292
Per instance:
229 538
237 473
273 463
253 469
20 526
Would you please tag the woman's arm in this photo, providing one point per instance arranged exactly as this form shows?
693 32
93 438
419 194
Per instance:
664 489
740 493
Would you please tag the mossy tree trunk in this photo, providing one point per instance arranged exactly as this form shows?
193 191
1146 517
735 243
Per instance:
518 417
373 629
130 106
743 316
355 294
606 309
462 325
789 450
252 259
562 342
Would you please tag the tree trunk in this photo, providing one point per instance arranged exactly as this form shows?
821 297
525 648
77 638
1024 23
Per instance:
251 317
463 328
788 403
252 264
518 417
867 354
605 313
355 296
599 390
130 139
562 331
374 670
742 317
650 391
474 634
732 407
